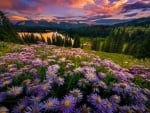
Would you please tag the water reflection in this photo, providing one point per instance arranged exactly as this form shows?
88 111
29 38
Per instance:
40 35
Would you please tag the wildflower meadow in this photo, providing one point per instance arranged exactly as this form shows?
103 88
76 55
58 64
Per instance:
44 78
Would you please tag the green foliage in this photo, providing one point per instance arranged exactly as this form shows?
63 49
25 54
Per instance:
135 43
90 31
141 82
7 32
76 42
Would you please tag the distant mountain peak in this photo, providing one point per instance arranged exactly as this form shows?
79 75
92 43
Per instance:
77 24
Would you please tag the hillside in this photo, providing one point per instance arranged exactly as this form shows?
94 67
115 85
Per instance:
136 22
44 23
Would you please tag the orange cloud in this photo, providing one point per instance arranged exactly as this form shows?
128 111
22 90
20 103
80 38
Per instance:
80 3
106 8
106 2
18 18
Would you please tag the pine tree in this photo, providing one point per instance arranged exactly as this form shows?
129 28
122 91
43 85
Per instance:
7 32
76 42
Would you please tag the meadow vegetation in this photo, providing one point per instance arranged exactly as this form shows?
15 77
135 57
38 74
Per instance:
56 76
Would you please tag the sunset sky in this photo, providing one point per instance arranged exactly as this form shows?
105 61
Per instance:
74 10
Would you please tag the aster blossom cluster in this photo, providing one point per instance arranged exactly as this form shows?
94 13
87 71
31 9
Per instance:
46 79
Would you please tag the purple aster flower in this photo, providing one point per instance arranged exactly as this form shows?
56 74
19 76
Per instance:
33 108
126 109
121 88
76 93
96 61
4 110
13 69
44 89
95 100
54 68
102 105
146 91
33 71
37 62
21 105
15 90
11 66
17 73
138 109
32 90
68 104
59 81
2 96
82 82
95 87
115 99
51 104
26 82
6 82
91 77
102 84
101 75
52 72
45 63
35 99
83 109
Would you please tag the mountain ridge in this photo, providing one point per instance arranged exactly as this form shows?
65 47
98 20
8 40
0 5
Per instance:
67 25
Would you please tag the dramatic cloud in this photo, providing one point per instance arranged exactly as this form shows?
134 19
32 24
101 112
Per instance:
107 7
18 18
137 5
75 10
131 15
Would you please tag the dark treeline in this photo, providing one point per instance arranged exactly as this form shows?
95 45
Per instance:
121 40
90 31
7 32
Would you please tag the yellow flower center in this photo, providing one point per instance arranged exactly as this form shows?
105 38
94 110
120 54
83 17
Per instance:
116 97
98 100
94 85
3 112
60 79
84 110
49 104
128 111
134 92
44 88
51 74
15 73
75 94
20 107
83 81
16 92
6 83
37 98
91 75
67 103
122 86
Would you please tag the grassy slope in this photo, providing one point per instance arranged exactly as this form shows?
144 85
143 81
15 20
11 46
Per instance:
5 48
121 59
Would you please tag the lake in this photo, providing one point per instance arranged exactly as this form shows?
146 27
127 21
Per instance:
45 35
